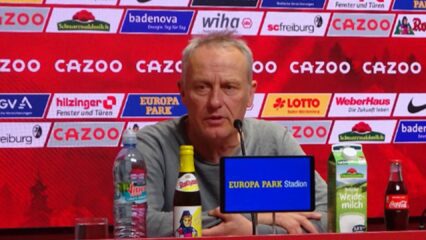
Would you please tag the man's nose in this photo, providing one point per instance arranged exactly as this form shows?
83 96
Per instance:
216 98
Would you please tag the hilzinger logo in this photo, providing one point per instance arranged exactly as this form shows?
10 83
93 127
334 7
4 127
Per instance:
81 105
107 103
415 109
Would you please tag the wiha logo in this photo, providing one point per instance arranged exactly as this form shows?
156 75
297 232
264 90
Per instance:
292 105
83 21
244 23
362 132
154 105
22 19
227 22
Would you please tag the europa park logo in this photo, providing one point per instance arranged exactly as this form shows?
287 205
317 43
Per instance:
83 20
362 132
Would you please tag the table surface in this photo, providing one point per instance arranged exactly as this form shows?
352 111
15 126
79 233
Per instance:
375 232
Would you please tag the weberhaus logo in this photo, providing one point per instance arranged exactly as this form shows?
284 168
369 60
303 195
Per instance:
83 21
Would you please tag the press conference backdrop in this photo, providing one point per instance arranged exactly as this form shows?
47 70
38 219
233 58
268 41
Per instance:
75 73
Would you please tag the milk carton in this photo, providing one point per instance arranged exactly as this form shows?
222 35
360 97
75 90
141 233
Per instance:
347 189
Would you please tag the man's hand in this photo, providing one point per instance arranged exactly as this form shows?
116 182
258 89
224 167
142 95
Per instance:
294 222
232 224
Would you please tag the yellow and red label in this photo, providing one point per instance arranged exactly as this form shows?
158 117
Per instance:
187 183
296 105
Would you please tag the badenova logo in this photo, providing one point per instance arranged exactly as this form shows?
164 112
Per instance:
411 131
83 2
85 134
359 5
242 23
23 105
308 132
93 20
293 3
411 26
366 131
225 3
156 3
416 5
22 19
154 105
362 105
296 105
411 105
85 105
153 21
361 24
295 24
23 135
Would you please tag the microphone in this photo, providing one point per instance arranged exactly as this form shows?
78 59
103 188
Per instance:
238 124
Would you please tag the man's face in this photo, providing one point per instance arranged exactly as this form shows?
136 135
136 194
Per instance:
216 91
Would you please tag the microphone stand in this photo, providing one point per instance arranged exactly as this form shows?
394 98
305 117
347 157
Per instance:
238 124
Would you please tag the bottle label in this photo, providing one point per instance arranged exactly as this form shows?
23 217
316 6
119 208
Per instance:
395 201
187 221
187 183
135 190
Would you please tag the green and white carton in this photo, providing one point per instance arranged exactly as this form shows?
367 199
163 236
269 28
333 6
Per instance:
347 189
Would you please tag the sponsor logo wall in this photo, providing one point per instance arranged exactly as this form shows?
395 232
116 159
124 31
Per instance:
76 73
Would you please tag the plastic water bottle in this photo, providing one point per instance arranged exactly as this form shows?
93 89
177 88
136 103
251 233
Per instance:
130 197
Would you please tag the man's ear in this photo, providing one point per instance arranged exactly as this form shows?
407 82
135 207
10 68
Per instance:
253 87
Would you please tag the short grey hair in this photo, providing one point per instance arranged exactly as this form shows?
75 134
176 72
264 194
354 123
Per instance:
223 39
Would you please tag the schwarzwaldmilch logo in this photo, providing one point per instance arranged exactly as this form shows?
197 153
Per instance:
83 21
403 27
351 173
415 108
362 132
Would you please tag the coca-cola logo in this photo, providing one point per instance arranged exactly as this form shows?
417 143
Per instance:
397 202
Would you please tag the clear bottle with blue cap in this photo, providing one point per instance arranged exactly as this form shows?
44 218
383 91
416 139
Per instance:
130 196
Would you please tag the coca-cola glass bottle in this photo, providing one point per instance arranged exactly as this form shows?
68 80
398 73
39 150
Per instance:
396 199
